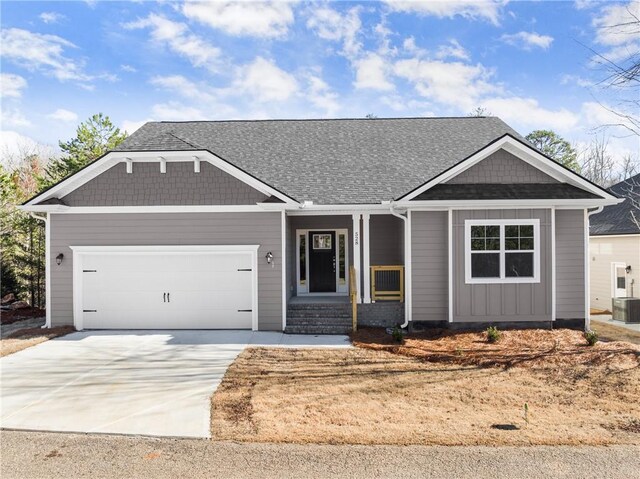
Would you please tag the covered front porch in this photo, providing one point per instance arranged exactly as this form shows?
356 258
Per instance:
335 260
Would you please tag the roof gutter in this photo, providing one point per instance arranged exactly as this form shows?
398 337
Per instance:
407 246
587 311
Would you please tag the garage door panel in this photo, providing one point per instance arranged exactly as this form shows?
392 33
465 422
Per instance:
204 290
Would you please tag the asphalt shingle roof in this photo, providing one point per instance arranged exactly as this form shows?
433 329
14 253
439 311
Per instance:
517 191
347 161
618 219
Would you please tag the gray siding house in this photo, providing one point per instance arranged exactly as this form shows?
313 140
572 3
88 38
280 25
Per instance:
275 225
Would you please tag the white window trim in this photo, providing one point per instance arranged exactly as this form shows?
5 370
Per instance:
502 223
303 289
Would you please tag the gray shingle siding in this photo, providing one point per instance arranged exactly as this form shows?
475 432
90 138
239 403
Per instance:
180 185
502 167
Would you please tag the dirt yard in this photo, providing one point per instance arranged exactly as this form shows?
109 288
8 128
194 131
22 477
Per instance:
25 338
447 389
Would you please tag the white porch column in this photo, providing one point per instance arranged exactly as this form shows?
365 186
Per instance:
366 261
356 253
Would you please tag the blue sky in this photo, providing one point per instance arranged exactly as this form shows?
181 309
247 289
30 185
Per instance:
527 62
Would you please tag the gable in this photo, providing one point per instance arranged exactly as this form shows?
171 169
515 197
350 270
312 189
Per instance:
502 167
147 186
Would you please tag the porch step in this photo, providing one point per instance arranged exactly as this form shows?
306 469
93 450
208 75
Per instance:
317 329
318 318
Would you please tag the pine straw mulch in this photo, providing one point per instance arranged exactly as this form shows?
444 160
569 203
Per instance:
25 338
530 348
436 389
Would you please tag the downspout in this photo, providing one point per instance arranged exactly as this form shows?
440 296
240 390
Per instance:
407 246
45 219
587 313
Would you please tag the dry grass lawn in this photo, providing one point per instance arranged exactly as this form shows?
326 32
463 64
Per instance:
612 332
451 393
25 338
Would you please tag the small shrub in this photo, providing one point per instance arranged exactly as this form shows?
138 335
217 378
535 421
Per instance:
591 337
397 335
526 413
493 334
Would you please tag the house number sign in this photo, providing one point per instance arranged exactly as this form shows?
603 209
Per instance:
356 237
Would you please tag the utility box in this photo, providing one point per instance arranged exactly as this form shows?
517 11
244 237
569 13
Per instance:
626 309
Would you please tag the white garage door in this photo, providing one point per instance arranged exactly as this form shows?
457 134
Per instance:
166 290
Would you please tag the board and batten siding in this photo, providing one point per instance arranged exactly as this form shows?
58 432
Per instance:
429 270
570 273
603 252
502 301
124 229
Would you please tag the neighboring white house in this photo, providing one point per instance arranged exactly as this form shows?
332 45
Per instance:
615 247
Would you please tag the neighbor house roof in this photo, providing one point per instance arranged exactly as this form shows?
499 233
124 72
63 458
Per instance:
619 219
347 161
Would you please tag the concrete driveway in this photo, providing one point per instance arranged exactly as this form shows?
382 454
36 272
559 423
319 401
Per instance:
154 383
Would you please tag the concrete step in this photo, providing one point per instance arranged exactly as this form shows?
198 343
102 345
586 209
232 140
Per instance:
318 315
319 321
317 329
318 306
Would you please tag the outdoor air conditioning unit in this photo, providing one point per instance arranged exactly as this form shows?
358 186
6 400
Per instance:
626 309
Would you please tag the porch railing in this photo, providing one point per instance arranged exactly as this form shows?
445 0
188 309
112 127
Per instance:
387 283
353 296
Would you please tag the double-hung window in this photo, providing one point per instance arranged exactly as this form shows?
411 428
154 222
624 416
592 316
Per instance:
502 251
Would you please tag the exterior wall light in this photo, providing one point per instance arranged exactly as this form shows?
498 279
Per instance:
269 257
59 259
628 269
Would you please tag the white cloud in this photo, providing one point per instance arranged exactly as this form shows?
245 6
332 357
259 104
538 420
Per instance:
11 85
175 111
568 79
178 38
598 115
12 118
329 24
528 40
452 50
128 68
617 24
321 96
37 51
14 146
452 84
182 86
527 112
472 9
371 72
63 115
259 19
265 81
51 17
132 125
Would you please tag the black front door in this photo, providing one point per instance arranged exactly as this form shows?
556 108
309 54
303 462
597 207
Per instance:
322 261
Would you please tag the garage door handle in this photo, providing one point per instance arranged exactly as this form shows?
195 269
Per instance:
245 310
